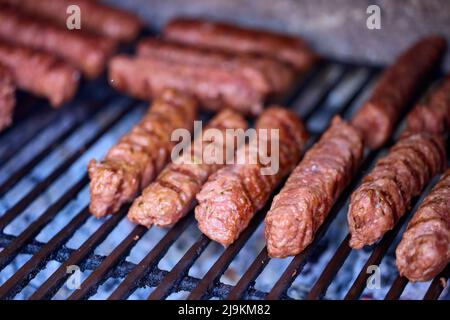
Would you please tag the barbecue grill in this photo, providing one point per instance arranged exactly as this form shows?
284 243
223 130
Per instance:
45 225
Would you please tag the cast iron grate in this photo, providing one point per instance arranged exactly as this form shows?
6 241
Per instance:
332 88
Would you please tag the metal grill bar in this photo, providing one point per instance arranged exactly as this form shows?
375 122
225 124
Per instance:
14 141
186 283
437 285
8 254
131 281
15 137
100 274
249 277
44 184
178 272
56 280
17 282
54 143
215 272
375 258
397 288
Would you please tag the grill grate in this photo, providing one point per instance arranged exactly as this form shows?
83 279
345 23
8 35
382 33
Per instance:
332 88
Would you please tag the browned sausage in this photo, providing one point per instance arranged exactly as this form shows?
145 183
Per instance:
432 115
83 50
140 154
386 193
232 196
395 89
310 191
279 76
215 87
7 97
424 250
240 39
40 73
96 17
172 195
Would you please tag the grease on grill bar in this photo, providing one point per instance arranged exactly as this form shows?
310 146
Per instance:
46 226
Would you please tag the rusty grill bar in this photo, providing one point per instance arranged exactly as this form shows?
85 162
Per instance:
315 101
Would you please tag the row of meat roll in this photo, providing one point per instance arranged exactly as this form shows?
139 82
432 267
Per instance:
140 155
386 193
256 66
47 59
172 195
220 70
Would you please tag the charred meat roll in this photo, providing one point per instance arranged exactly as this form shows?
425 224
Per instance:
240 39
40 73
96 17
140 154
7 97
231 197
385 194
85 51
278 75
310 191
214 87
172 194
432 115
396 88
424 250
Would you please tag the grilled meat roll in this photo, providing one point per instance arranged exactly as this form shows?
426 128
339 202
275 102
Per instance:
96 17
385 194
7 97
239 39
214 87
172 195
231 197
424 250
40 73
278 76
310 191
140 154
395 89
432 115
83 50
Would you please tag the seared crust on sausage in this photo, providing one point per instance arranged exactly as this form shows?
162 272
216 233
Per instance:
277 75
232 196
395 89
96 17
238 39
386 193
215 87
424 250
432 115
172 195
312 188
140 154
7 97
85 51
40 73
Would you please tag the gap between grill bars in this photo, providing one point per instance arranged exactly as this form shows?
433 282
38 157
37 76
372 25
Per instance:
332 88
